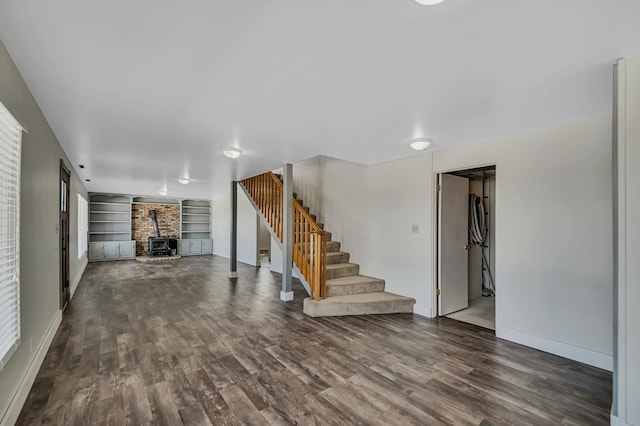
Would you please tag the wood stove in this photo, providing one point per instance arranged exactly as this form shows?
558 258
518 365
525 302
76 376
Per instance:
158 246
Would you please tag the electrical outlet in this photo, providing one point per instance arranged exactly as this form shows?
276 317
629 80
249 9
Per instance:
415 229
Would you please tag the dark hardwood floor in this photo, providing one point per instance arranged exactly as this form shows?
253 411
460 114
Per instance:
180 343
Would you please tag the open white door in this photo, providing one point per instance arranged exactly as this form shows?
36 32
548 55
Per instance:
453 223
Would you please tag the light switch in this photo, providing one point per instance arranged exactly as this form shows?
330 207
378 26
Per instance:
415 229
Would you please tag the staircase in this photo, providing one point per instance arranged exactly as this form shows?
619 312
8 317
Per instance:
344 290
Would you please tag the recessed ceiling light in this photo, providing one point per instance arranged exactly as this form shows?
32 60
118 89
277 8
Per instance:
163 192
420 144
232 152
428 2
184 181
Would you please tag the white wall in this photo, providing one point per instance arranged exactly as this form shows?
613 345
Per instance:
264 237
626 408
370 210
552 235
247 229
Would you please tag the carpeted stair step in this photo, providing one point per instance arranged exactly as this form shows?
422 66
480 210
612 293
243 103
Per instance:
353 285
333 246
359 304
337 257
338 270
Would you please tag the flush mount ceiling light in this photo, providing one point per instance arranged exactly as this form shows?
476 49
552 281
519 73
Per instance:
163 192
420 144
428 2
232 152
184 181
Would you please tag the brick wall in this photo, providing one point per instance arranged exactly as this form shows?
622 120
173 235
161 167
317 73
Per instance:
142 225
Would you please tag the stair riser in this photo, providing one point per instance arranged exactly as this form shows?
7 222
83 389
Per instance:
342 309
340 258
343 272
342 290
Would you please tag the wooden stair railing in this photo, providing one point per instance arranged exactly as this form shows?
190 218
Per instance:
309 240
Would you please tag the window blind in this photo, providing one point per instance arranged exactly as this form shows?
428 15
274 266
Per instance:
10 145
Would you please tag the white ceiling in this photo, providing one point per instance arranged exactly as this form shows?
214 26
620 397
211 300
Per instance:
145 91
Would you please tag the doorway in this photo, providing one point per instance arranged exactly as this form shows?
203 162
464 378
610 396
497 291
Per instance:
466 246
65 290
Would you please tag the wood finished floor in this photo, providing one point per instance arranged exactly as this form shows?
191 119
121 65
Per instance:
180 343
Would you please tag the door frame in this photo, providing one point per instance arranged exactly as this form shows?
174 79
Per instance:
434 228
63 226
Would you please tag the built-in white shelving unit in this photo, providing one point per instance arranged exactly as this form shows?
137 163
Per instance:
195 228
110 227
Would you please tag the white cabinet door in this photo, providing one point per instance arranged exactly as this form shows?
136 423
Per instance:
127 249
183 247
111 250
195 246
207 246
95 251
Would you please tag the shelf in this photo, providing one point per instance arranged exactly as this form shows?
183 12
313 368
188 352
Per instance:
195 219
109 218
109 211
108 232
110 203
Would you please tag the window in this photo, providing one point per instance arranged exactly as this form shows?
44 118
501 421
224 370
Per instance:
10 144
83 225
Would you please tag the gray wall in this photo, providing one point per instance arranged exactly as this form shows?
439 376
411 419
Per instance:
39 248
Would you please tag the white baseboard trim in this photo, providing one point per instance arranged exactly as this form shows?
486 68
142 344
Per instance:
566 350
74 284
19 398
286 296
422 310
617 421
233 274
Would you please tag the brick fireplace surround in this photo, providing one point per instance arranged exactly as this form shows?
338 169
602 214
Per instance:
142 226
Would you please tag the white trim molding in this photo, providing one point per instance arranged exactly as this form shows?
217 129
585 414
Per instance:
565 350
11 415
286 296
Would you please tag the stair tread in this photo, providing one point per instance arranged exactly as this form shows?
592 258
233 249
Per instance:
341 265
352 279
363 298
336 253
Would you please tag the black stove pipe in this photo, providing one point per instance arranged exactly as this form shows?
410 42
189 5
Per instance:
152 213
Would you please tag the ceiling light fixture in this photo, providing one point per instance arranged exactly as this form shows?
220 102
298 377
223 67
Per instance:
420 144
232 152
163 192
184 181
428 2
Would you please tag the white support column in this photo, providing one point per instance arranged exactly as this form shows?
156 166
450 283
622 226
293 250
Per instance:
626 234
287 248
